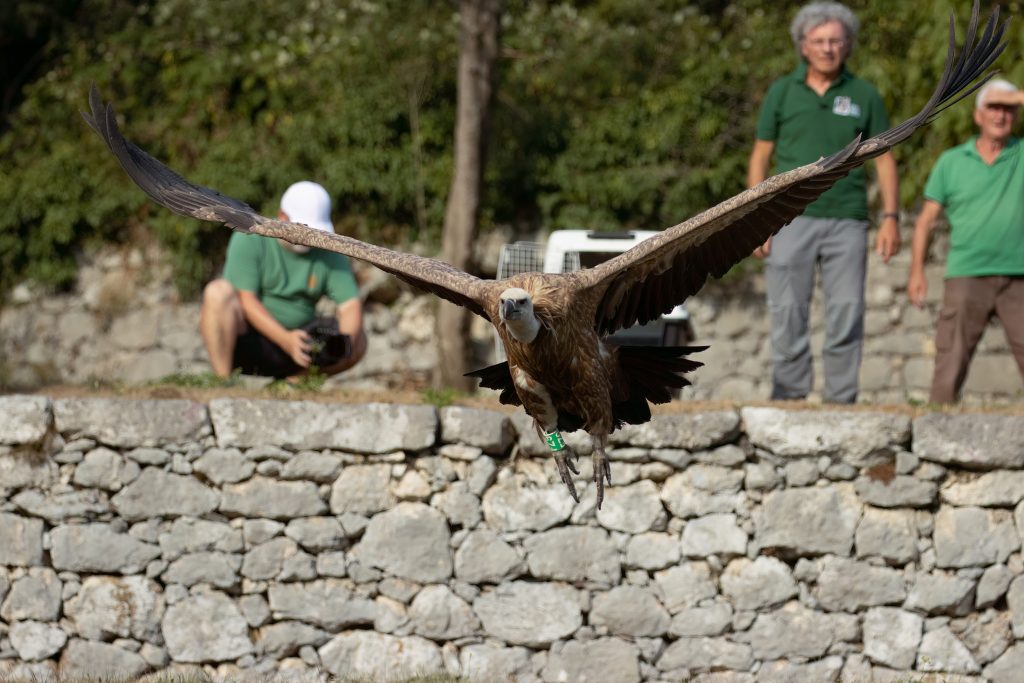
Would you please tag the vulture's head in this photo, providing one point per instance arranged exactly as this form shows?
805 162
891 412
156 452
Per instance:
517 314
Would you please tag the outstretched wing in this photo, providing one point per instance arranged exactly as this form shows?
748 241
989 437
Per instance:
170 190
661 272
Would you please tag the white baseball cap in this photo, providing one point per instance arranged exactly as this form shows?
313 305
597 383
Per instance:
307 202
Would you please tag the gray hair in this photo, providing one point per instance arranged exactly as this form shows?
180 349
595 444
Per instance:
995 84
815 14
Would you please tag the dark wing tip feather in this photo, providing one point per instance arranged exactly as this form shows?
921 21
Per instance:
159 182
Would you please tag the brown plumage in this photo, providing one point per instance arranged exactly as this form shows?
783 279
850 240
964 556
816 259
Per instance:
553 325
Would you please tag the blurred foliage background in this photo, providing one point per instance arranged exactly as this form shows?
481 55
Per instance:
609 114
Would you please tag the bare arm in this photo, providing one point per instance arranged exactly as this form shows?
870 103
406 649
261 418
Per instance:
888 242
350 322
294 342
757 171
917 285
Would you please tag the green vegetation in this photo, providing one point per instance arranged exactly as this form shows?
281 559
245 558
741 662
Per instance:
439 398
609 115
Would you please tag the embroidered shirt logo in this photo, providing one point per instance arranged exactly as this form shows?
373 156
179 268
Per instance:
843 106
311 282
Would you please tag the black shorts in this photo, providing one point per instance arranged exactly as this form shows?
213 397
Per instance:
257 355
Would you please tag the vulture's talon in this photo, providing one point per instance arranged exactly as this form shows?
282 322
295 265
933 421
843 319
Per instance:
565 466
602 472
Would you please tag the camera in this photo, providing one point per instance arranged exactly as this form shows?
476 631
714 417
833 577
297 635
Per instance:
328 346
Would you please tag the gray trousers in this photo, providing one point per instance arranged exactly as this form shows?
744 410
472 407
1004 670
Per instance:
840 247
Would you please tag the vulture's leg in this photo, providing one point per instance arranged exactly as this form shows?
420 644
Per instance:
602 467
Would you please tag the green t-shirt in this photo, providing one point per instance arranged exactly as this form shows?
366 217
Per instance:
985 208
806 126
288 284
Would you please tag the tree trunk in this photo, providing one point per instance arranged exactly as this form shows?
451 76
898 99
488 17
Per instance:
478 53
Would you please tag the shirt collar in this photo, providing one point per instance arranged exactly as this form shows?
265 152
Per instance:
971 148
800 74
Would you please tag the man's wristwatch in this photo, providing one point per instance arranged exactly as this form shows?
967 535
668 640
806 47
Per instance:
891 214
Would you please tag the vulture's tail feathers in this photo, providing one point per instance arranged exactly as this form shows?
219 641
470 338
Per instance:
650 374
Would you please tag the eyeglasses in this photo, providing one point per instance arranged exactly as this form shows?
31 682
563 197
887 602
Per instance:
820 43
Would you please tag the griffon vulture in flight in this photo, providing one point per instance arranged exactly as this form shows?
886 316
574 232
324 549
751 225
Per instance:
554 326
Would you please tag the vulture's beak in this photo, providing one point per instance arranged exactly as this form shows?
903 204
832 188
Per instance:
509 310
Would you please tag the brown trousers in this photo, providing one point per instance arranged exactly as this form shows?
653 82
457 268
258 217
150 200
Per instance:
967 305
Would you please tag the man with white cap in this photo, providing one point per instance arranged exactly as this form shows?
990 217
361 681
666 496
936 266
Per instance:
980 185
260 317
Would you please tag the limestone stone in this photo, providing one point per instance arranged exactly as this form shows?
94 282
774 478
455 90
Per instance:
363 489
206 627
609 660
809 521
1015 601
715 534
460 505
319 467
993 585
791 631
629 611
267 560
1007 668
21 540
58 507
224 465
19 471
489 430
156 493
109 607
703 489
26 419
851 585
216 569
972 536
652 550
308 425
633 509
33 640
712 620
854 436
101 468
189 535
98 548
412 486
573 554
316 534
327 603
365 655
942 651
286 638
264 497
532 614
693 432
1001 488
755 585
974 440
986 634
410 541
900 491
36 595
702 654
86 658
889 534
128 423
509 506
891 636
783 671
939 593
685 585
437 613
488 662
482 557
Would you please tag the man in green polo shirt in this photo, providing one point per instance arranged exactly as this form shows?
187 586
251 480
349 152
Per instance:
812 112
261 316
980 185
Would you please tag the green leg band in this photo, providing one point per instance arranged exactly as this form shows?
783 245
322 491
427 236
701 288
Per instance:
554 441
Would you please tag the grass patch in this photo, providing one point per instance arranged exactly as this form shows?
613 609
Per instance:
200 380
439 398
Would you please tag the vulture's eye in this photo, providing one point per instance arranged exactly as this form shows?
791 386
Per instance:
521 301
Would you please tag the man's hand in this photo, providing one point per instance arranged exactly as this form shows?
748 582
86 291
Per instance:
888 241
765 249
297 346
1005 98
917 288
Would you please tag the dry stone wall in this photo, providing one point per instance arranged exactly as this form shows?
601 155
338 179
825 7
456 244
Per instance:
123 323
299 540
